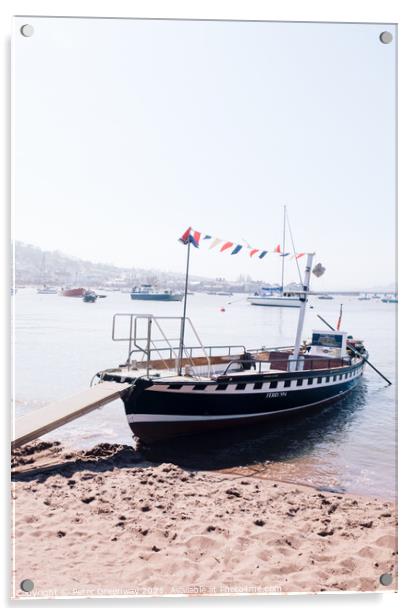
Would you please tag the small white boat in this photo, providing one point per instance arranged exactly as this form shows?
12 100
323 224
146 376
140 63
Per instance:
45 290
284 299
284 296
390 299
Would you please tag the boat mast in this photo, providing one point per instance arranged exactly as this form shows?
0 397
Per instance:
183 320
303 300
283 253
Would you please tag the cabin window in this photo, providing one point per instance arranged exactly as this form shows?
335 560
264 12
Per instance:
327 379
222 386
335 377
299 382
273 385
287 383
175 386
257 385
340 377
319 379
310 381
241 386
200 387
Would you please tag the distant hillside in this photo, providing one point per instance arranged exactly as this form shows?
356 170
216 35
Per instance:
34 266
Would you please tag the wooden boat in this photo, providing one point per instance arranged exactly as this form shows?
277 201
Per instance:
181 390
79 292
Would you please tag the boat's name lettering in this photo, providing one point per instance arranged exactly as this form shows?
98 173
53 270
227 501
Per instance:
276 394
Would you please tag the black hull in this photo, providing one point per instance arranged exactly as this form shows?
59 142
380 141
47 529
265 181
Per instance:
161 414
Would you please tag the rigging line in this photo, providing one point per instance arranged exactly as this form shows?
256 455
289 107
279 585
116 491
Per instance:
292 242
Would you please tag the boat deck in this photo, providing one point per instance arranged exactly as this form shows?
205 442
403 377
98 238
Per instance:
205 373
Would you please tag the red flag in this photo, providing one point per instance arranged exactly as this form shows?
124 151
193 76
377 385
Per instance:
226 246
251 254
299 255
278 248
185 237
196 236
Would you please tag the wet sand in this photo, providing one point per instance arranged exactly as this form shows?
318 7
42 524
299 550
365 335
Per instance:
107 522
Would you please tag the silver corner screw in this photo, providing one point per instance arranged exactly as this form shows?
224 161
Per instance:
386 37
27 30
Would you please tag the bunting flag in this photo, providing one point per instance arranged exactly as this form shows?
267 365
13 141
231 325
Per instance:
237 248
215 243
194 237
190 236
226 246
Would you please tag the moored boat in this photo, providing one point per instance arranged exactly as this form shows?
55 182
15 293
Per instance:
284 297
276 296
147 293
179 390
79 292
390 299
45 290
89 297
325 296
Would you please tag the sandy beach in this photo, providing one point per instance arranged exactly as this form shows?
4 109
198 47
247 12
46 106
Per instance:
107 522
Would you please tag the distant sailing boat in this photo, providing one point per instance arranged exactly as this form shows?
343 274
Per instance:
45 289
287 296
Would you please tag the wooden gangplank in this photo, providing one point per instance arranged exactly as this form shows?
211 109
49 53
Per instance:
57 414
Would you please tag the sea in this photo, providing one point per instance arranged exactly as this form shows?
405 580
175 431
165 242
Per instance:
60 343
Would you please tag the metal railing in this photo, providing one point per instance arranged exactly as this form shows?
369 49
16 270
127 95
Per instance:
149 346
302 364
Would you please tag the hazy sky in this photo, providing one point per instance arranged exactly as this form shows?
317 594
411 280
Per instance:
126 132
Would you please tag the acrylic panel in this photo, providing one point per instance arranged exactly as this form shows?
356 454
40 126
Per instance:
197 205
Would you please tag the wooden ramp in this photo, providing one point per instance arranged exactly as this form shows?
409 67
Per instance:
57 414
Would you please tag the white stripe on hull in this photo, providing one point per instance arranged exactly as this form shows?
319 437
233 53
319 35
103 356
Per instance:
159 418
249 388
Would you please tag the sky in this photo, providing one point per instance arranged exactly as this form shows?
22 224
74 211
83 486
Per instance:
126 132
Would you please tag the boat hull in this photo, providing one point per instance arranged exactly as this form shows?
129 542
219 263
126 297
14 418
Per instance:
157 297
283 302
73 292
157 412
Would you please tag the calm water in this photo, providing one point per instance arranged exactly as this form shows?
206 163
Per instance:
60 343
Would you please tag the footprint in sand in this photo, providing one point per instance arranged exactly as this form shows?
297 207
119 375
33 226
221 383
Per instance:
366 552
201 543
386 541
